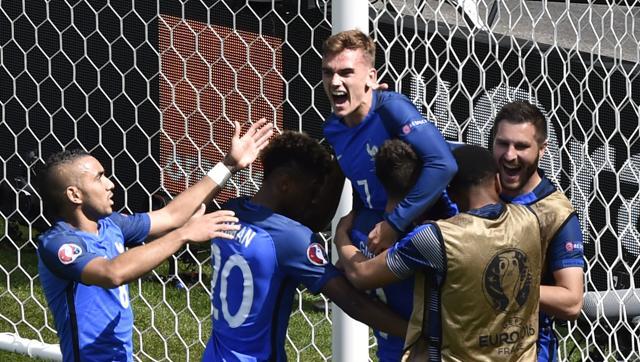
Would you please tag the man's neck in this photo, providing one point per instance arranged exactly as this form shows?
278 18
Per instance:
265 198
80 221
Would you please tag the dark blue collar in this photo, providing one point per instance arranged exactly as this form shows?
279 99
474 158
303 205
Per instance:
491 211
543 189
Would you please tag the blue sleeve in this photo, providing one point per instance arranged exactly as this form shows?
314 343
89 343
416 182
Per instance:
420 249
135 228
302 256
404 121
566 249
66 255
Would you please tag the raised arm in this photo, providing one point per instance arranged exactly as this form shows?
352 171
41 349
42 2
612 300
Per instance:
135 262
244 150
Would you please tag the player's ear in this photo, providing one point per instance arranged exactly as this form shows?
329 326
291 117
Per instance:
73 194
372 78
543 148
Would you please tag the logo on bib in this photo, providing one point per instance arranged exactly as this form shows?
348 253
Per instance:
507 280
316 255
68 253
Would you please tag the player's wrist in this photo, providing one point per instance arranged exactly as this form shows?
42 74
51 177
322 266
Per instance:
220 173
230 163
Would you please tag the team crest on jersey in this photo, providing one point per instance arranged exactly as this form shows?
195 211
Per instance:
507 280
372 150
68 253
316 255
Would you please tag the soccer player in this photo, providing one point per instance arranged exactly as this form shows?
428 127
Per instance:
477 273
362 119
519 140
256 274
83 265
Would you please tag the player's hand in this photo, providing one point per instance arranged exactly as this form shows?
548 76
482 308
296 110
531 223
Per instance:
204 227
244 150
380 86
381 237
341 238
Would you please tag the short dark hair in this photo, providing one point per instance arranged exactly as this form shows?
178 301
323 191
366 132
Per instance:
297 151
351 39
48 184
397 167
476 165
522 112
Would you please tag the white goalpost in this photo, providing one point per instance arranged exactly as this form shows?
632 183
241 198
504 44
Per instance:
151 89
349 338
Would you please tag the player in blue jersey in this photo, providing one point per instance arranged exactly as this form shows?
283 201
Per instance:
363 119
83 262
256 274
476 295
519 140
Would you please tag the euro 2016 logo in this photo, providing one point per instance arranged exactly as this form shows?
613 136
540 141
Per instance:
507 280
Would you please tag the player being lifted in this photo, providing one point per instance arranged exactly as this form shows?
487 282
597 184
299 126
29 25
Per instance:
83 266
255 275
519 141
362 120
477 273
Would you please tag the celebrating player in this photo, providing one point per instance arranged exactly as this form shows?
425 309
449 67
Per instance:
477 273
255 275
362 120
83 265
519 140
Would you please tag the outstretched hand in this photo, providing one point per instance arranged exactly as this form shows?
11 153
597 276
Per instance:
244 150
204 227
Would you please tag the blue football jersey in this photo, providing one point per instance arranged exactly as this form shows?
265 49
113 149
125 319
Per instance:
565 250
392 115
93 323
254 279
398 296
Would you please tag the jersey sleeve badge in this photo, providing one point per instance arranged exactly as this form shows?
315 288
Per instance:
68 253
316 254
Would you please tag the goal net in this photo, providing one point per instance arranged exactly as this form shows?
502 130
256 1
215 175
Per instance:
152 90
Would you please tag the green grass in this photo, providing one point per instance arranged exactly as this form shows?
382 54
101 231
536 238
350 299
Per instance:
171 323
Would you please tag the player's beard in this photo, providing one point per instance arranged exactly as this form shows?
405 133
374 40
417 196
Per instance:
525 175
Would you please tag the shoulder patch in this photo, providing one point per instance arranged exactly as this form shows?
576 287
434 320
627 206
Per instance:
409 126
316 254
68 253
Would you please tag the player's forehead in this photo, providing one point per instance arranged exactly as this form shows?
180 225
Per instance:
345 58
512 132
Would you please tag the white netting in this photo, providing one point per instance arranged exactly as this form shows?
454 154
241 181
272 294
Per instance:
151 90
